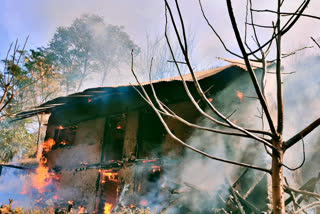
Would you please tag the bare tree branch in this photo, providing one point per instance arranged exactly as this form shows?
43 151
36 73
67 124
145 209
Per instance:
278 74
182 142
200 92
176 117
249 68
215 32
287 26
313 204
303 192
303 160
315 42
257 25
293 140
294 201
287 13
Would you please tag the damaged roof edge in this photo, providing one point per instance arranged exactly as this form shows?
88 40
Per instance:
59 102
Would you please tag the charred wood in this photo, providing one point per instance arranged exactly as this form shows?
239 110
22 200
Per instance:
117 165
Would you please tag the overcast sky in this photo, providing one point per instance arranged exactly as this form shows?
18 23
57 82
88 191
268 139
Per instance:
40 18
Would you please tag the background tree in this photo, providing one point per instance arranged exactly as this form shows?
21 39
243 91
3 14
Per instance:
40 65
162 64
112 49
89 46
15 81
272 139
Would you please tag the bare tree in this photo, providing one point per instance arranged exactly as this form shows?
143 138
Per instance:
13 79
272 139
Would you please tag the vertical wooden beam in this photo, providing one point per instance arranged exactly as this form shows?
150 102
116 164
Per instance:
130 138
127 174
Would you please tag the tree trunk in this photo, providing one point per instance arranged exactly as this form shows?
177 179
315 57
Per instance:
104 77
83 75
277 179
104 74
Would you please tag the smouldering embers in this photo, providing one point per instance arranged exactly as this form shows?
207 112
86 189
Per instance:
240 95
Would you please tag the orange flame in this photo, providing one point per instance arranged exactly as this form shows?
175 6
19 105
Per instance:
147 161
143 202
107 208
240 95
119 127
80 210
47 145
112 176
60 127
42 177
156 168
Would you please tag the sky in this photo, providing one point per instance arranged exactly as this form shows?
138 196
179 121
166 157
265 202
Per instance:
40 18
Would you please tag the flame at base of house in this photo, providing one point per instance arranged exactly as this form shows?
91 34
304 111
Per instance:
107 208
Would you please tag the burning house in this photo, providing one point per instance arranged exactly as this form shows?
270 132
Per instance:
107 147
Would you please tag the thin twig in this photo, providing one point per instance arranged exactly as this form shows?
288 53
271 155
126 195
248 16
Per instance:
287 13
315 42
215 32
311 205
295 204
176 62
286 27
257 25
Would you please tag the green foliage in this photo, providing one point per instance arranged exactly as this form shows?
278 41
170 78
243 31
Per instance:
15 139
27 80
40 65
13 79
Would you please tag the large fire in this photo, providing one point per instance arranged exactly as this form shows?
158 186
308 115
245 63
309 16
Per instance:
107 208
42 178
240 95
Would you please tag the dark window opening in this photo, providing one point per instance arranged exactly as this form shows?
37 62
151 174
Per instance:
150 135
64 136
114 133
